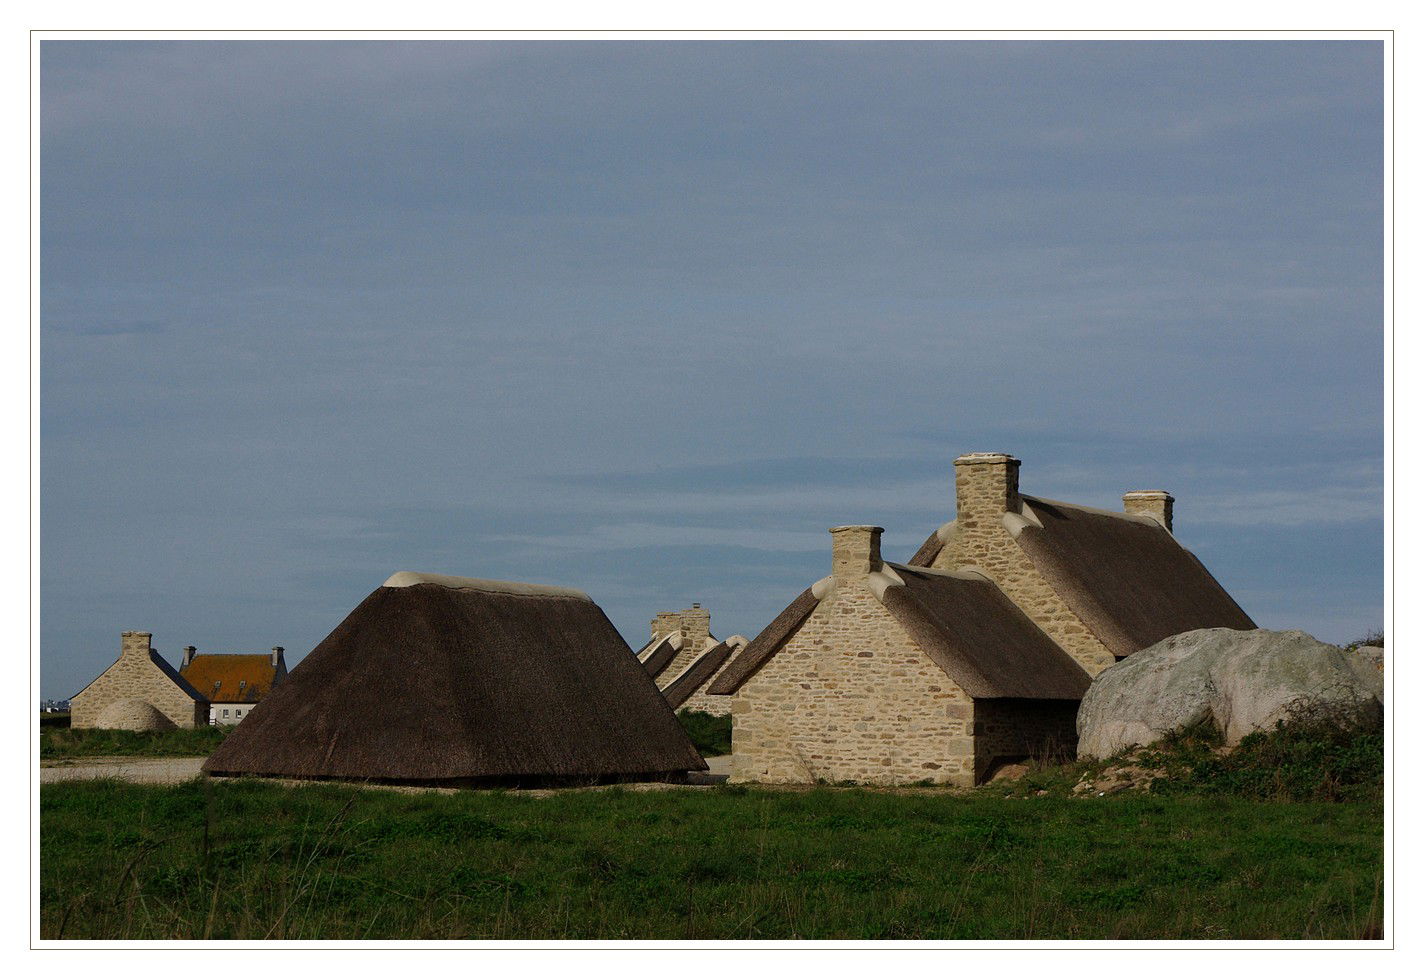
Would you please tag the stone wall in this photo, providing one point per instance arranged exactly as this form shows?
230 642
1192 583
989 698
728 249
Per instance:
850 697
986 486
135 675
714 704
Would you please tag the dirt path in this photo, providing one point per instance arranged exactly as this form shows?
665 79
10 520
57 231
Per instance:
133 769
136 769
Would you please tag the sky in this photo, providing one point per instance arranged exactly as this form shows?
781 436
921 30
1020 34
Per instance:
648 318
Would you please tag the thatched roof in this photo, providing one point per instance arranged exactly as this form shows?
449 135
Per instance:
961 620
1125 576
975 633
765 644
463 680
698 673
226 678
663 652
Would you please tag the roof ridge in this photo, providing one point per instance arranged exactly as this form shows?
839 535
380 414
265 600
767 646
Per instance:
402 580
1134 518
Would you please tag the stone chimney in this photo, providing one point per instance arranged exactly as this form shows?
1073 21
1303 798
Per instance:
986 485
665 623
134 645
696 626
188 654
1156 504
277 656
855 551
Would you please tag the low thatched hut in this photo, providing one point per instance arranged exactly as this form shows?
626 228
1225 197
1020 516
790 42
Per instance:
437 679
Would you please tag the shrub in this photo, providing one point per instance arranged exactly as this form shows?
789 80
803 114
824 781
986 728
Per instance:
712 734
1318 752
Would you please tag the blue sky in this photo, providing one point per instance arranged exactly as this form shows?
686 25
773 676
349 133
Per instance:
647 318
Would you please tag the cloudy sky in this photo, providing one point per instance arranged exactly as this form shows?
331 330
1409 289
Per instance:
648 318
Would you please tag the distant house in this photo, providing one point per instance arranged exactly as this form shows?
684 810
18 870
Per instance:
140 691
888 674
684 658
232 683
1102 584
446 680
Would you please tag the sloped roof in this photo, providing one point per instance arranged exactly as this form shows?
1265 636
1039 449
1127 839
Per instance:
765 644
697 673
438 681
661 655
975 633
962 621
1125 576
225 678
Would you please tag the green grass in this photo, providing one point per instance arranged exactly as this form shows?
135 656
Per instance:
247 860
57 743
712 734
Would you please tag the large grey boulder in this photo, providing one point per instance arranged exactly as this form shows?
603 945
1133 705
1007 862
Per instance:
1241 680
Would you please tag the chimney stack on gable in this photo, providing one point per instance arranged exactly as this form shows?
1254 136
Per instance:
188 654
1156 504
986 486
277 656
855 551
134 644
696 625
665 623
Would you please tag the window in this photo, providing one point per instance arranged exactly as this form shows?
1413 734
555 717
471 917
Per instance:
224 712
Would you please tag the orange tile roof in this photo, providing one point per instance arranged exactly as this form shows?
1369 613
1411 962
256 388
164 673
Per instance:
220 677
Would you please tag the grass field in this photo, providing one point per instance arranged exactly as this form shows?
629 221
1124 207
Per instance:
56 743
253 861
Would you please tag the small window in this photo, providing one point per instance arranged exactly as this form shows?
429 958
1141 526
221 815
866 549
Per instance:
224 712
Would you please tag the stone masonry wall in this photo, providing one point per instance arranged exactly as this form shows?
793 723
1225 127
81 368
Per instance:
136 676
850 697
714 704
984 489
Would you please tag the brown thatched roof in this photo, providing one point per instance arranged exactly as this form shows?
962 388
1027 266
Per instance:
963 622
1126 577
453 680
764 644
975 633
662 655
697 673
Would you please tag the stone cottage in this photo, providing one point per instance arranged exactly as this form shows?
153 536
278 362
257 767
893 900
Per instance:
1102 584
233 683
140 691
890 674
684 659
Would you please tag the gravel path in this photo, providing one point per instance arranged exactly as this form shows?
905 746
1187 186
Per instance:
130 769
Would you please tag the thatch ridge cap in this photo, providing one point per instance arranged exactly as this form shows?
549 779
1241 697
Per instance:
402 580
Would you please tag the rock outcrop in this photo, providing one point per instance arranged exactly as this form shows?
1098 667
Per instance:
1239 680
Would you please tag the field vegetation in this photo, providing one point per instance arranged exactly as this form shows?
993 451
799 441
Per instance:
56 743
1216 850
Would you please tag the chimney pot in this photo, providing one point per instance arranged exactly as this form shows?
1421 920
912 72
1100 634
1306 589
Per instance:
855 551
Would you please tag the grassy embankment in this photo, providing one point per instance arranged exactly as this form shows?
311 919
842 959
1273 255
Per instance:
1212 853
58 743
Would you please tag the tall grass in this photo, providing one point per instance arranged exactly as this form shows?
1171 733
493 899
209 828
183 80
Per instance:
254 860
